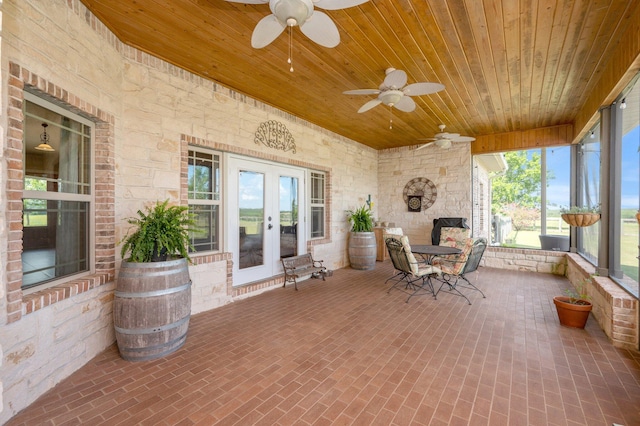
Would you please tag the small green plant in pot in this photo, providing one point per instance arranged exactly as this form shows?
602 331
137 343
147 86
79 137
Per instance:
362 240
160 232
573 309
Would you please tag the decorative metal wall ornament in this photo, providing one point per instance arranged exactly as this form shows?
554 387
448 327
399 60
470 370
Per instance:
419 194
275 135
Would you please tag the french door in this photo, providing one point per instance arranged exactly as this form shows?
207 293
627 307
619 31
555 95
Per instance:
265 217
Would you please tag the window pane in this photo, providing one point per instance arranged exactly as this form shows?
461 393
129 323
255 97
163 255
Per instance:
208 222
66 168
629 240
558 190
590 192
203 176
317 205
317 222
516 200
57 247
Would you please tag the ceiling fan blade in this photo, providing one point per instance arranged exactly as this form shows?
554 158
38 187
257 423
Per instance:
427 139
463 139
249 1
337 4
417 89
321 29
267 30
424 145
362 92
395 79
369 105
405 104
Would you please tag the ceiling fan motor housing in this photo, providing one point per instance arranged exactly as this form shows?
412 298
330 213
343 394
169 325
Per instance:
291 12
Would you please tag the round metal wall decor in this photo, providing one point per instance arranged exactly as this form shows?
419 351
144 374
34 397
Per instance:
419 194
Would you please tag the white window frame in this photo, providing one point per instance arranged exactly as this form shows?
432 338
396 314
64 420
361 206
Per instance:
62 196
317 202
215 200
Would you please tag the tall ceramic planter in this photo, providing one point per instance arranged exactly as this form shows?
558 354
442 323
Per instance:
151 308
572 314
362 250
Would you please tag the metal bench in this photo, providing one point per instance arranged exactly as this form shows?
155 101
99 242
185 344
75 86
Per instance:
299 266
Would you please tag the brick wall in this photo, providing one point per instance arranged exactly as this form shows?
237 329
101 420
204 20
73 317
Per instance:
615 310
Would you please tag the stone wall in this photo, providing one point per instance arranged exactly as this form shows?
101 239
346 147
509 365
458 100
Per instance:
545 261
449 169
150 107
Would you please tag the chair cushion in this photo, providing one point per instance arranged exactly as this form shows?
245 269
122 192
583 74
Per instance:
413 263
454 264
391 232
454 237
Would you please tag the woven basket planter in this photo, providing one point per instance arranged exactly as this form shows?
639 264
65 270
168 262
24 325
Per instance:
581 219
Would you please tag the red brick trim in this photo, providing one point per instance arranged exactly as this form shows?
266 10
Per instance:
19 304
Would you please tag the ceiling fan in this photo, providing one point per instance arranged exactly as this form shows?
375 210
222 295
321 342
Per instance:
444 140
288 13
394 92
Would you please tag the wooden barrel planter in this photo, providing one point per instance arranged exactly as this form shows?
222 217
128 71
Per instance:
151 309
362 250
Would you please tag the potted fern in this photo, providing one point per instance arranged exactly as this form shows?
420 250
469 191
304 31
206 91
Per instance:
152 301
362 240
573 309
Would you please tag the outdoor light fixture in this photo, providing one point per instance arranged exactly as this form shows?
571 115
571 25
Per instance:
44 140
623 104
592 136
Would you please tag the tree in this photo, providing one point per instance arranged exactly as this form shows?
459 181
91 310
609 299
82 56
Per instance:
520 185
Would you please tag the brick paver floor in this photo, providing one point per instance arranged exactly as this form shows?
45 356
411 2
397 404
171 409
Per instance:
346 352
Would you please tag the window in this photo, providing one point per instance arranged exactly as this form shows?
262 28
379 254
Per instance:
526 199
589 191
58 193
317 204
627 237
204 198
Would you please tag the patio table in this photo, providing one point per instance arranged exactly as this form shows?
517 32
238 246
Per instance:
429 251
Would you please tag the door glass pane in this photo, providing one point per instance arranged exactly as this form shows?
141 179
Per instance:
251 218
288 216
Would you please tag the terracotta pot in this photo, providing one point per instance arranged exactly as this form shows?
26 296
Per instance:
570 314
581 219
638 217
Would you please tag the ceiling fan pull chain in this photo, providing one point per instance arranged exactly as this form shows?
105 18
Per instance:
290 60
390 117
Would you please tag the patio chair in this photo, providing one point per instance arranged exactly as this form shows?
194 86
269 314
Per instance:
412 277
455 267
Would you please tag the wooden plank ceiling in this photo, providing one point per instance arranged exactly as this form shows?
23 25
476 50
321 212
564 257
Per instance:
507 65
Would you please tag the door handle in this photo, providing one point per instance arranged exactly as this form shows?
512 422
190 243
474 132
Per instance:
270 226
